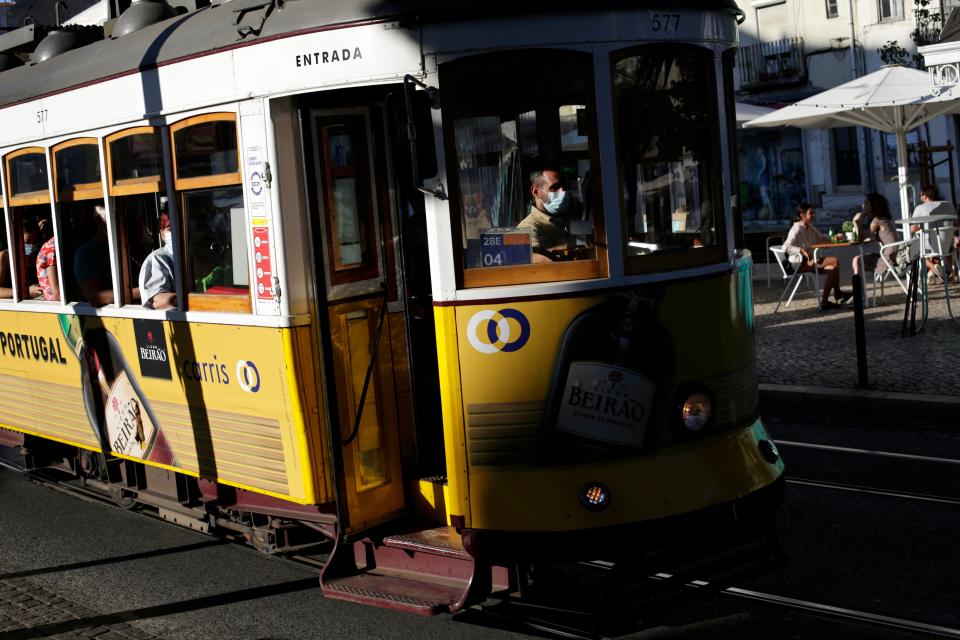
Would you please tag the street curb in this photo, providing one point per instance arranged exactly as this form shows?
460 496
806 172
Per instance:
893 401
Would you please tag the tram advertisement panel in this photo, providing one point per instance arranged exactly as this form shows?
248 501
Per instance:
215 400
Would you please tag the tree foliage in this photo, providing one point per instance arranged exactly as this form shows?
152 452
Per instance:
928 23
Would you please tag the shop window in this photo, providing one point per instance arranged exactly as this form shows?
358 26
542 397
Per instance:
211 204
84 258
29 199
525 172
665 109
135 179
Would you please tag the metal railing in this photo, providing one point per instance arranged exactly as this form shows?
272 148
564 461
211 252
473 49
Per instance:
772 63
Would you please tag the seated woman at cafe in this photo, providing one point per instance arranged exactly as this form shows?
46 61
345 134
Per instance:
799 249
874 224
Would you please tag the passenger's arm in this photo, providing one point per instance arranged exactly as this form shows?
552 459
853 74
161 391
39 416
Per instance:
52 278
164 300
94 294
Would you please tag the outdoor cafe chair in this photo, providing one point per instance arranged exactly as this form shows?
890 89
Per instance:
903 279
794 278
940 245
769 241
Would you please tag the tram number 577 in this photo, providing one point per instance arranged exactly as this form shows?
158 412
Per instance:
665 21
41 116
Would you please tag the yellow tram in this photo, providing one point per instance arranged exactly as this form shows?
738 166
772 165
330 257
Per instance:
457 289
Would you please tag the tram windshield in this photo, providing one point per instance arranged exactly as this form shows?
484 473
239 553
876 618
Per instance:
666 114
527 176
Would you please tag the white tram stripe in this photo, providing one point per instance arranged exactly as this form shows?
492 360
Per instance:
872 452
876 492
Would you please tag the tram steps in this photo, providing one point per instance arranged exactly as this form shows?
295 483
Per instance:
423 572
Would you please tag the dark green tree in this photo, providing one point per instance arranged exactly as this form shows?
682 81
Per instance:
929 22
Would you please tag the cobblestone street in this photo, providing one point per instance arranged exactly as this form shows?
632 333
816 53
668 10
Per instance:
28 611
800 345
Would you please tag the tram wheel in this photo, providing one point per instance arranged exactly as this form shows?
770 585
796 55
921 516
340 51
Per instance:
124 498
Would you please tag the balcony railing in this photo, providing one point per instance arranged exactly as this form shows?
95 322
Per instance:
770 64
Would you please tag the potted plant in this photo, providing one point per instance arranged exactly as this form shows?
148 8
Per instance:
849 229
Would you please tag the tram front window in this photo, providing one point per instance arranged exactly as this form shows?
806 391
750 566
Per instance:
527 176
666 113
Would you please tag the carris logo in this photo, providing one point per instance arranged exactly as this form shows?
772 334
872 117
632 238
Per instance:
248 376
490 331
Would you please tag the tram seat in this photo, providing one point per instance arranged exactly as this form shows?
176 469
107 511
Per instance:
792 277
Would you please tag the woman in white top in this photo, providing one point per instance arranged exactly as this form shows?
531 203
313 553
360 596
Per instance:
799 249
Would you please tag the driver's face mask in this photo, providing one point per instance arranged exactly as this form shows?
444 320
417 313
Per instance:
555 201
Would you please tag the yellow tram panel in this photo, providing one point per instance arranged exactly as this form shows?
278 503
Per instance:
235 404
500 370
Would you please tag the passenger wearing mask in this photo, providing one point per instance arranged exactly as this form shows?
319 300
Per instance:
547 218
31 238
157 282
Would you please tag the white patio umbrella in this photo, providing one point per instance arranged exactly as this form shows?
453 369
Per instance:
747 112
894 99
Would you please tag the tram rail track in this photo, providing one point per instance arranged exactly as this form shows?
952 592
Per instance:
565 630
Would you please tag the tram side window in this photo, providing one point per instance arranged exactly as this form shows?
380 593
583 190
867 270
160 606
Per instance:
87 275
29 199
527 175
135 169
666 113
208 183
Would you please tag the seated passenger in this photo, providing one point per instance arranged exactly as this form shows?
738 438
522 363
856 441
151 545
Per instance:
547 218
91 264
157 283
799 249
931 204
31 233
47 266
876 213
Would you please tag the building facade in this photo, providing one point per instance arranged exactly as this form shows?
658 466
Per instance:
792 49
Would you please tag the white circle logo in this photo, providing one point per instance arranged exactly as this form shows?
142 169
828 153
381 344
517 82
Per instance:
248 376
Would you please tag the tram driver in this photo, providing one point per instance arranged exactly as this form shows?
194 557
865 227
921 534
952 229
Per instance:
548 218
157 290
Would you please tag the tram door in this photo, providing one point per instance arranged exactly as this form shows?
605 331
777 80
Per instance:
359 282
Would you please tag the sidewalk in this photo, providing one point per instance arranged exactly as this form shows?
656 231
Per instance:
811 356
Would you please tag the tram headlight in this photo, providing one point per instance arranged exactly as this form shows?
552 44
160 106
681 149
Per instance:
696 411
594 496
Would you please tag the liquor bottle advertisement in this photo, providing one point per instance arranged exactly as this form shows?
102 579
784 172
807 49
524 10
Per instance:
117 408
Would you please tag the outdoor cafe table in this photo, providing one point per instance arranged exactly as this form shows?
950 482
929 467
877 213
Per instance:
841 247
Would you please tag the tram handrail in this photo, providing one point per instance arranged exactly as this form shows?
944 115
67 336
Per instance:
366 378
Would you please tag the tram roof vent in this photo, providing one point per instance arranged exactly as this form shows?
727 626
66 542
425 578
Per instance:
140 14
65 38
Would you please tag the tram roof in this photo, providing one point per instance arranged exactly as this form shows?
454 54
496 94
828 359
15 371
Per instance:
211 29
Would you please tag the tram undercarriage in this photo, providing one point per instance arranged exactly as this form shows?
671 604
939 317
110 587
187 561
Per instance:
418 568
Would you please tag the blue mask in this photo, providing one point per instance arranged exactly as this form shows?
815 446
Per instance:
29 249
